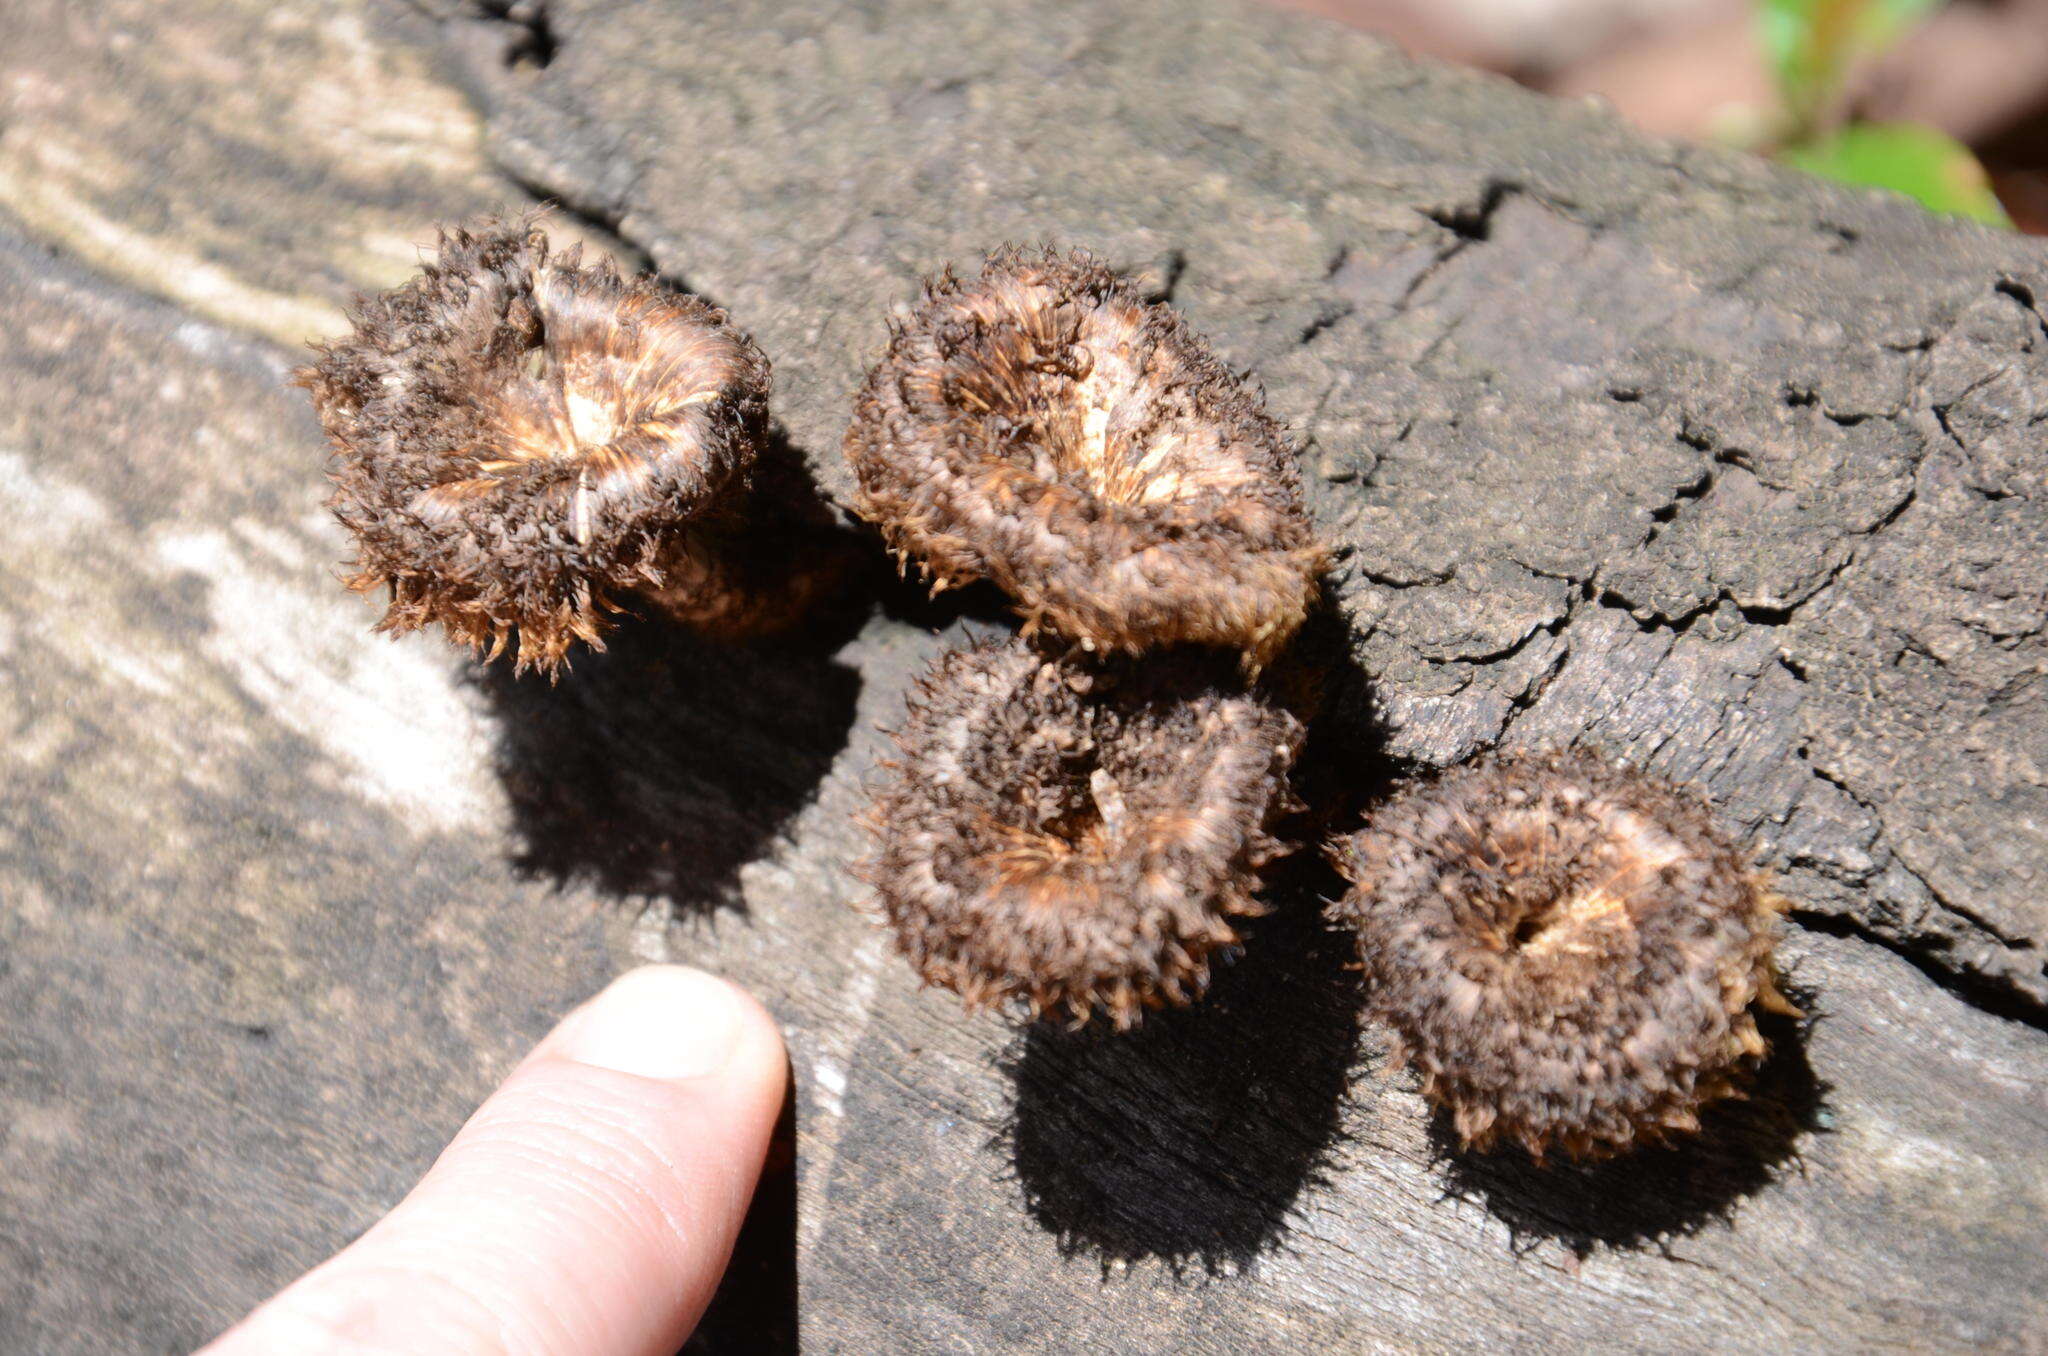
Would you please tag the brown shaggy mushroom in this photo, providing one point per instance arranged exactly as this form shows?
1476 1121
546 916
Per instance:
521 441
1047 428
1565 948
1073 838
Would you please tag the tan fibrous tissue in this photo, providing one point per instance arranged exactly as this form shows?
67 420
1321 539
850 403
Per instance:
1082 839
1566 949
1046 428
525 446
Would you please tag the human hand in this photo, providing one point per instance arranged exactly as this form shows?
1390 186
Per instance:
588 1207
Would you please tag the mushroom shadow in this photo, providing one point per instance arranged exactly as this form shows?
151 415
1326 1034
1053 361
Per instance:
1190 1138
661 765
1652 1195
754 1311
907 596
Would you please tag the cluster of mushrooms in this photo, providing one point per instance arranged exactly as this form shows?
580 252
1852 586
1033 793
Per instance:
1078 815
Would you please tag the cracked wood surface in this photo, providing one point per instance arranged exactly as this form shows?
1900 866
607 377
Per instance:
1749 414
1731 472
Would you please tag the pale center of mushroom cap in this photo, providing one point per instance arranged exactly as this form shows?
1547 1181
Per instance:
1053 860
1146 461
617 367
592 422
1147 467
607 383
1108 408
1632 852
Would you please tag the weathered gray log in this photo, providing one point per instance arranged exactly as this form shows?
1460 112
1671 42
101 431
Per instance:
254 161
1654 447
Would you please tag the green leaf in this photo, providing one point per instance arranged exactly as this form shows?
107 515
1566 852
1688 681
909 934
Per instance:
1786 30
1812 44
1929 166
1887 20
1784 26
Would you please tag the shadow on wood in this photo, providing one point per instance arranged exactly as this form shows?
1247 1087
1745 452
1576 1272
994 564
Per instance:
1644 1198
906 596
661 766
755 1309
1189 1139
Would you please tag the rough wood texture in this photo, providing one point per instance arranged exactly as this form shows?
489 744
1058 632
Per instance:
1735 474
253 160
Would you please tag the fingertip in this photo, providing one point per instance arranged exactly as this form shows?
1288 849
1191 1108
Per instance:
589 1205
671 1023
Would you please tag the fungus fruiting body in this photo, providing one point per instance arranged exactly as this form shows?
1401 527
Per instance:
1080 839
1566 949
522 441
1047 428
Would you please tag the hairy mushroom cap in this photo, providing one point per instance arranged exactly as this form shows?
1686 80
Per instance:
1079 842
519 440
1565 948
1048 429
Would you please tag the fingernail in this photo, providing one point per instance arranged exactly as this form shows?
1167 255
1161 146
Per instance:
660 1021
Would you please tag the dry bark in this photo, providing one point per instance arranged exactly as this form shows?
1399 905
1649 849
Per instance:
1734 474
